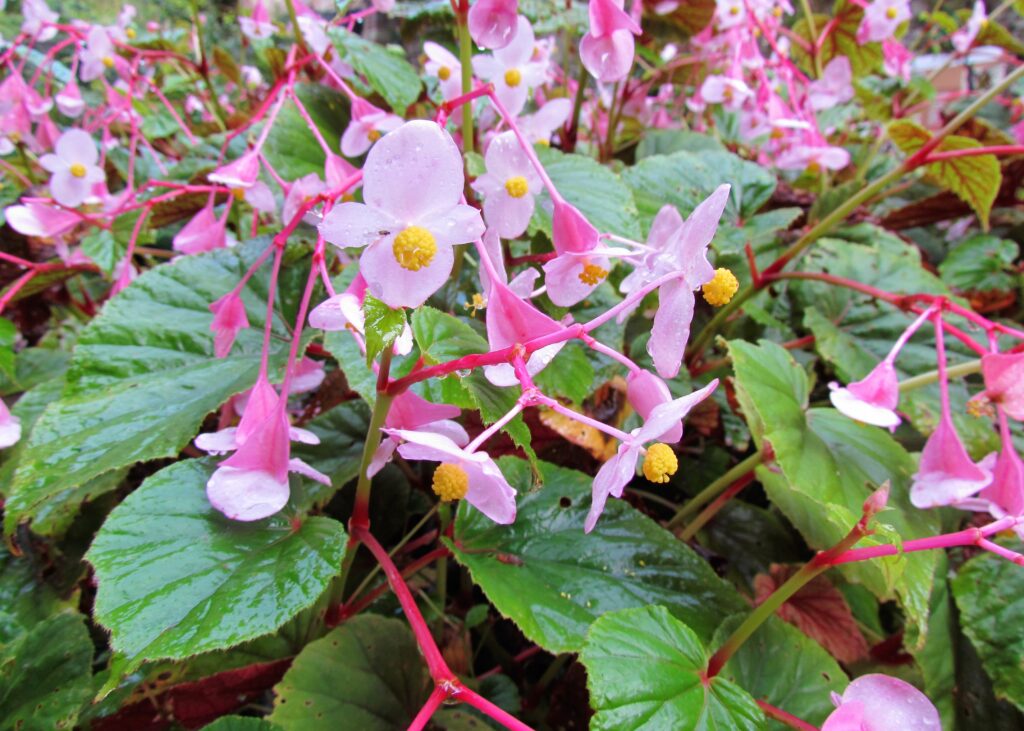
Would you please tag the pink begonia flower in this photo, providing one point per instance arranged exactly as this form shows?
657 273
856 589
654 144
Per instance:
443 65
813 155
512 69
301 192
383 6
38 20
945 473
257 26
40 219
511 320
607 48
579 266
314 33
337 170
260 197
368 125
345 312
98 54
897 59
645 392
881 19
872 399
204 232
522 284
73 167
617 472
241 173
1004 382
729 13
880 703
964 38
10 427
69 100
731 93
489 491
412 215
410 412
539 126
228 318
834 87
493 23
251 76
508 186
307 375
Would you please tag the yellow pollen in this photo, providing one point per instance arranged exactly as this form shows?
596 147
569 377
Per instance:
373 135
777 134
727 93
517 187
239 194
813 168
476 304
756 32
78 169
890 13
414 248
777 12
592 274
720 290
513 77
734 10
108 62
444 73
130 32
660 463
450 482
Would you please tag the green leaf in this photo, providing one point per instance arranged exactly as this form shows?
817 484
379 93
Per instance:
645 670
828 464
982 263
24 599
103 249
388 73
442 337
177 578
342 432
46 675
842 41
975 180
350 359
143 377
7 335
667 141
383 326
989 593
290 147
241 723
783 666
933 655
598 192
553 581
569 375
366 675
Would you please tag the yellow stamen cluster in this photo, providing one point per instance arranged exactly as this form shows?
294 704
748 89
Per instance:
373 135
476 304
592 274
108 62
78 169
450 482
721 289
980 406
444 73
660 463
414 248
517 186
777 11
734 10
890 13
130 32
513 77
239 194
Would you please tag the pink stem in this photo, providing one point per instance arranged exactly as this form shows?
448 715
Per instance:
427 712
971 152
576 416
966 537
493 428
170 108
787 718
940 352
471 698
309 123
909 333
531 154
125 277
18 285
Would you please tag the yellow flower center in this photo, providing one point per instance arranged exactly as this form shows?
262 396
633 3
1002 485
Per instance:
130 32
239 194
444 73
373 135
660 463
108 62
414 248
890 13
450 482
592 274
476 304
777 12
734 10
517 186
78 169
813 168
513 77
720 290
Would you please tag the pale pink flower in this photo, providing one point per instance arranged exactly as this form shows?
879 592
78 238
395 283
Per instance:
98 54
579 266
1004 381
834 87
814 154
946 474
410 412
512 69
880 703
10 427
964 38
228 318
383 6
539 126
617 472
40 219
73 167
872 399
368 125
443 65
730 93
897 59
607 48
508 186
1005 495
729 13
241 173
38 20
412 216
69 100
345 312
492 23
512 320
301 192
645 392
881 19
337 170
307 375
204 232
489 491
257 26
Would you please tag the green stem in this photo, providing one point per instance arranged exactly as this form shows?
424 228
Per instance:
204 68
812 30
466 60
613 121
712 491
924 379
577 107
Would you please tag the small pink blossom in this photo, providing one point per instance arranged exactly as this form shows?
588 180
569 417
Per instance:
1004 381
946 474
203 232
301 192
872 399
410 412
539 126
579 267
443 65
729 92
508 187
73 167
813 154
257 26
40 219
493 23
368 125
228 318
241 173
645 392
69 100
39 20
10 427
964 38
489 491
880 703
729 13
897 59
617 472
510 321
412 216
98 55
512 69
834 87
881 19
607 48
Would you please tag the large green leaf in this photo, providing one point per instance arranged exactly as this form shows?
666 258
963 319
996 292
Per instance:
142 378
982 263
442 337
645 670
290 147
552 580
177 578
24 599
388 73
989 592
828 465
366 675
46 675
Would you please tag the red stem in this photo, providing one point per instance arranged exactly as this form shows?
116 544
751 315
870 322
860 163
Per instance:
787 718
354 607
972 152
